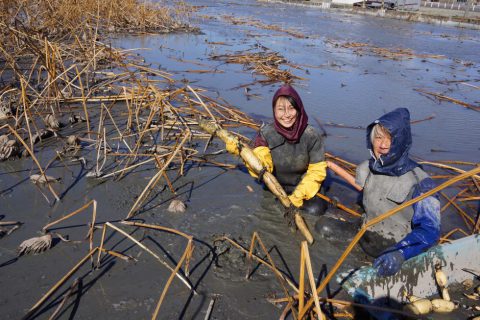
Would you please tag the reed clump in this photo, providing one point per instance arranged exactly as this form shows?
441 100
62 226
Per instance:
64 17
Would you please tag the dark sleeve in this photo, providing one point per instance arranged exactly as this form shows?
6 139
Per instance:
316 148
425 222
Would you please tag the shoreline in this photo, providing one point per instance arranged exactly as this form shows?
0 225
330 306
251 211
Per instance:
444 17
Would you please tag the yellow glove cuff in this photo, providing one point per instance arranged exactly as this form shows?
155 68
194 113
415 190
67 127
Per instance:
297 202
311 181
263 153
265 157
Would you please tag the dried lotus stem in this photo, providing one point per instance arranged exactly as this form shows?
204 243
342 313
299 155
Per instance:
47 295
170 279
156 178
311 279
91 202
66 296
185 281
33 157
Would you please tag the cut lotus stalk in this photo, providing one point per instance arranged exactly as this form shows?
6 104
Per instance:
301 284
85 206
410 297
471 296
118 255
440 277
280 277
445 295
419 307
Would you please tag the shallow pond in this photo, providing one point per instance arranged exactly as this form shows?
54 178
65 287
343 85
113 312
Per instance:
341 86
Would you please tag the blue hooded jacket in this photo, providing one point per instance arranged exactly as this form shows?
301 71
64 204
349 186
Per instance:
425 224
396 162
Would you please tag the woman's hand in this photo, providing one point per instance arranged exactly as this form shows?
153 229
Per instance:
232 146
296 201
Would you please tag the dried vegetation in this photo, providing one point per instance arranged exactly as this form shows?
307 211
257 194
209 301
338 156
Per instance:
361 48
265 63
258 24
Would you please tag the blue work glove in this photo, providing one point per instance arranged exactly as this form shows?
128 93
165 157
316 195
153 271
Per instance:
389 263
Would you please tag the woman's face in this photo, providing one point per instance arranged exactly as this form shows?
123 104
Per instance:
285 113
381 143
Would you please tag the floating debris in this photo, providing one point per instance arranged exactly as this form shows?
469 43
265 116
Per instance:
7 230
73 140
177 206
8 147
467 283
52 123
158 149
43 179
75 118
35 245
265 63
258 24
449 99
42 134
361 48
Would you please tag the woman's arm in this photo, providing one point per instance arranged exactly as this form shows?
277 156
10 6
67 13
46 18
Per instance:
343 174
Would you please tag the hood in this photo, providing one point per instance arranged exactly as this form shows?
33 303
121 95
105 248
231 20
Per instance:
293 134
397 161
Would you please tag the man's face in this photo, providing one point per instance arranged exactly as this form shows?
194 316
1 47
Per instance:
381 143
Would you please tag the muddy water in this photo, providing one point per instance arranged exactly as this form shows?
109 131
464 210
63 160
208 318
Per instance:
341 87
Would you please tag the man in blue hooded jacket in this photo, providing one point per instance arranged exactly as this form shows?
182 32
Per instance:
388 179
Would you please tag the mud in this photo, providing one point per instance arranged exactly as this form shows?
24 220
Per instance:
342 87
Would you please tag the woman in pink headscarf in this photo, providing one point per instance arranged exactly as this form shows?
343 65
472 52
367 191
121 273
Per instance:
293 151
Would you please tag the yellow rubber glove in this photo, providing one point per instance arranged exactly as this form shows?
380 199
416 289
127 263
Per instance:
232 146
310 184
265 157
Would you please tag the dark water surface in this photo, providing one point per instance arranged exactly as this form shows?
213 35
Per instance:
341 87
